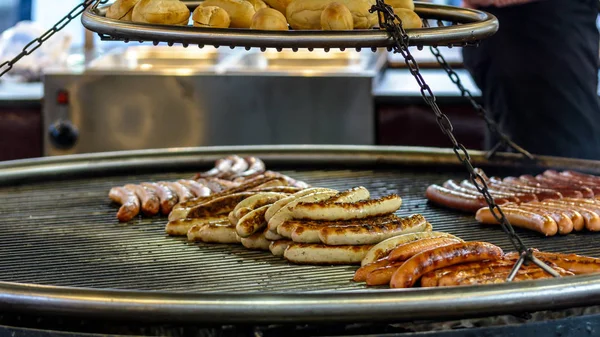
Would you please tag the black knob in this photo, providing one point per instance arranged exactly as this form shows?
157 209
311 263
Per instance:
63 135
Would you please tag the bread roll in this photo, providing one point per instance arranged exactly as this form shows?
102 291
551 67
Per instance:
210 16
258 4
306 14
166 12
408 4
121 10
269 19
280 5
240 11
410 19
336 17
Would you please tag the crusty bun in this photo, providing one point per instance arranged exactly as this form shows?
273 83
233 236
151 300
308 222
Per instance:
240 11
258 4
121 10
210 16
306 14
408 4
166 12
336 17
269 19
280 5
410 19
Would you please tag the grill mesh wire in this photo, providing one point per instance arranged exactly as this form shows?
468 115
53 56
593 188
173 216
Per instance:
65 233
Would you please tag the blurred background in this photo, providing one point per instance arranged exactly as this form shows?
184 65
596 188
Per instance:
79 94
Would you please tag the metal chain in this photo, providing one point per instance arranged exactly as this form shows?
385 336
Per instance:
392 23
36 43
491 124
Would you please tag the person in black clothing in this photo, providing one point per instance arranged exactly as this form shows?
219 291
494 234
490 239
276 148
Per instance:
539 75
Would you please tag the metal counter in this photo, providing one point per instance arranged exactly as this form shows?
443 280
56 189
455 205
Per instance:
154 97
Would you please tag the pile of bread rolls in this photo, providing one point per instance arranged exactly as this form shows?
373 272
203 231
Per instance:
263 14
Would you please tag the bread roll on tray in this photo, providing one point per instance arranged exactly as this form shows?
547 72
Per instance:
336 17
408 4
410 19
121 10
240 11
166 12
210 16
269 19
258 4
306 14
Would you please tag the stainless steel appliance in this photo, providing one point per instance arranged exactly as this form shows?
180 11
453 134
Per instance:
157 97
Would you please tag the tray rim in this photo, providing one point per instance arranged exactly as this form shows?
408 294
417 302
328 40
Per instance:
273 307
483 25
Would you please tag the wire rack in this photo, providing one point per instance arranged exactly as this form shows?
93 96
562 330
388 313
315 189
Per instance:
443 26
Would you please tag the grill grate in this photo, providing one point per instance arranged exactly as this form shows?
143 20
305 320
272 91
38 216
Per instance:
65 233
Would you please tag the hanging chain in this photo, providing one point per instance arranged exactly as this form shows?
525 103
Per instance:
36 43
392 23
503 139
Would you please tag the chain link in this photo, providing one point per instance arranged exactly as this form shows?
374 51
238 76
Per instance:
491 124
392 23
37 43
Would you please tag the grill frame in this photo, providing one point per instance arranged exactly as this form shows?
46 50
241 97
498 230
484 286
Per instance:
381 305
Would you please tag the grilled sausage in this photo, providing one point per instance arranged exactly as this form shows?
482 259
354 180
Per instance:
221 165
554 176
252 222
566 191
218 232
497 192
278 189
410 272
165 195
307 231
150 205
258 200
383 275
591 225
537 186
286 212
539 194
563 221
283 202
306 253
452 185
238 165
492 278
215 185
130 203
456 200
384 248
255 166
576 264
361 273
278 247
198 189
346 211
408 250
183 193
432 278
256 241
221 205
273 236
181 227
371 234
520 218
352 195
576 217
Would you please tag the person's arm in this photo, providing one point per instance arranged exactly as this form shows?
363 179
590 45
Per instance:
495 3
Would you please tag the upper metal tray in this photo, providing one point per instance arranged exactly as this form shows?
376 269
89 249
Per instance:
239 306
455 26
